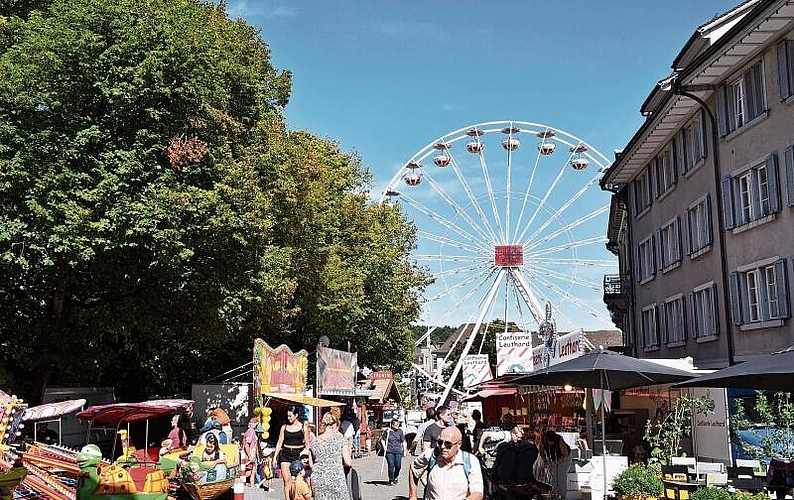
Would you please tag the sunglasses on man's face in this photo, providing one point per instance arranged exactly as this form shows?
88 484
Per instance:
447 444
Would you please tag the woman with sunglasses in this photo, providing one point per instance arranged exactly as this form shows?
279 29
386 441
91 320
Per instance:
291 440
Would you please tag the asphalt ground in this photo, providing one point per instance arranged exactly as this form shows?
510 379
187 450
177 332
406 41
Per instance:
373 482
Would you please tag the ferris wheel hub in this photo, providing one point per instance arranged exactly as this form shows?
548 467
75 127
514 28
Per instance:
508 255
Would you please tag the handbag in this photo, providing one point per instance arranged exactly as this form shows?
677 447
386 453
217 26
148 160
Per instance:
380 446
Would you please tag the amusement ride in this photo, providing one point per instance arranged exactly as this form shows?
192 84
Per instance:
509 216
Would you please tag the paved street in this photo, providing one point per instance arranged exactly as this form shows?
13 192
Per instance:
373 482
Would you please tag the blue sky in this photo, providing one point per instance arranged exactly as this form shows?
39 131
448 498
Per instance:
385 79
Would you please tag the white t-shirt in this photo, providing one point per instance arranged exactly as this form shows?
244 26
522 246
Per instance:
449 481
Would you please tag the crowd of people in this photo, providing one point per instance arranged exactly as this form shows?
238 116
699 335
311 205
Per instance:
452 459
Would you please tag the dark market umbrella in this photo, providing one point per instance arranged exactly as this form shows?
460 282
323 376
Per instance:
605 370
773 372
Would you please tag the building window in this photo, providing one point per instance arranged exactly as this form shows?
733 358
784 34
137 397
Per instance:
703 304
751 194
664 167
741 100
642 191
698 225
691 144
785 68
670 243
646 259
673 320
759 292
650 333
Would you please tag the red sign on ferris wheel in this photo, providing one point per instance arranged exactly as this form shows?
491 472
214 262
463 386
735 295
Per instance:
509 255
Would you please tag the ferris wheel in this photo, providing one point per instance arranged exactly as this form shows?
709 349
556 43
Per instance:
510 218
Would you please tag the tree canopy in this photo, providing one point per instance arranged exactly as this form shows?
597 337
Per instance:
156 215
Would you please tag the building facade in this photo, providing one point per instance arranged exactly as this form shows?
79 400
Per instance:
701 217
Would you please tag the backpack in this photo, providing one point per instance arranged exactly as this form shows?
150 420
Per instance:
505 464
526 454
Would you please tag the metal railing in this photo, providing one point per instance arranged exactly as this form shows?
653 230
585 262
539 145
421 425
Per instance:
615 284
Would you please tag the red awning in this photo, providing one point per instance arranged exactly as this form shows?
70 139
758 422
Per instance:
122 413
487 393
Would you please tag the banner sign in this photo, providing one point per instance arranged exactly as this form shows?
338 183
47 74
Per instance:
711 432
513 352
476 369
279 370
565 347
380 375
336 372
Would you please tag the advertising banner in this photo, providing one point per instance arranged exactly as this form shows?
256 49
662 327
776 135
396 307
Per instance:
279 370
565 347
513 352
711 432
476 369
336 372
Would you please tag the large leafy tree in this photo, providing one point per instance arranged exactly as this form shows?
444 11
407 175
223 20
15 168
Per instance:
155 215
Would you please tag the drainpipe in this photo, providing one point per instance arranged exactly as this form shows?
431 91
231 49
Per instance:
683 91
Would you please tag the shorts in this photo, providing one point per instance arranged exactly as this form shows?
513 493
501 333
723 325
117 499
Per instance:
289 455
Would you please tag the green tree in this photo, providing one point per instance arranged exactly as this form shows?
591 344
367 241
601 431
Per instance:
156 215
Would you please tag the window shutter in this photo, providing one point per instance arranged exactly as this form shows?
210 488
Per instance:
781 281
692 316
715 309
680 152
789 160
727 202
684 318
656 167
783 80
702 134
656 330
656 247
637 264
754 83
774 192
688 232
678 239
736 304
722 112
708 221
663 336
673 160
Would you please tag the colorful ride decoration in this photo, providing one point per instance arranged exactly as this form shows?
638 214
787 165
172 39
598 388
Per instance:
278 370
11 471
105 481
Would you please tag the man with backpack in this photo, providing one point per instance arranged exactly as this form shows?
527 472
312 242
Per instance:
452 474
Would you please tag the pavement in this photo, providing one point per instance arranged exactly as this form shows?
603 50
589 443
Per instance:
373 482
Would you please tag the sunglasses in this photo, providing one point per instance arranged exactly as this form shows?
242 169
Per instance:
447 444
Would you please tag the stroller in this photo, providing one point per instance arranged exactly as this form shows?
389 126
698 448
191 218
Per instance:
507 473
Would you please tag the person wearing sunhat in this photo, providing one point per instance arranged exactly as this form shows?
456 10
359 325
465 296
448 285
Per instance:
299 489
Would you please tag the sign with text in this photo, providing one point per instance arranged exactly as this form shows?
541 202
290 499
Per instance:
566 347
711 433
476 369
513 352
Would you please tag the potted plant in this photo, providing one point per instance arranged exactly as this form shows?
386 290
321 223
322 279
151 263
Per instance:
710 493
637 482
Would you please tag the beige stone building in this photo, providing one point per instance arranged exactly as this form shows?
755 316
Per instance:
701 216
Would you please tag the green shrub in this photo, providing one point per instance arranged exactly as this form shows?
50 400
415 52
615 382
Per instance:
637 481
710 494
746 495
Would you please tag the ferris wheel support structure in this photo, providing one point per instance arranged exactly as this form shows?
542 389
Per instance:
486 306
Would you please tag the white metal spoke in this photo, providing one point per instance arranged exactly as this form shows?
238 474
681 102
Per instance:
491 196
564 207
545 197
558 311
440 219
567 296
460 285
456 207
569 262
470 195
569 246
477 250
527 193
458 270
570 277
451 258
592 215
455 307
507 189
